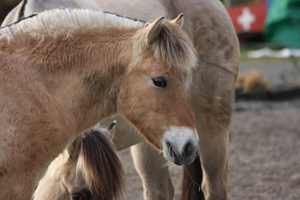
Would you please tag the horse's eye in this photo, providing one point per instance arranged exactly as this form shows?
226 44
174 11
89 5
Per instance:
160 81
77 197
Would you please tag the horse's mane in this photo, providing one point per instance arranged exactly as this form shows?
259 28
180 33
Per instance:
173 46
57 21
102 168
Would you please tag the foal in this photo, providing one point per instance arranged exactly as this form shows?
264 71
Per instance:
62 71
89 168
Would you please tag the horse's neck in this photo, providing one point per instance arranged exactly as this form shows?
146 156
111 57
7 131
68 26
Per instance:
94 80
83 74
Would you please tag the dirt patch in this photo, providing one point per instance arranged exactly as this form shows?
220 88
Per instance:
264 160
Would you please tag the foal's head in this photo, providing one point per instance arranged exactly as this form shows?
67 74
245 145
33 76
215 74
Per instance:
154 98
88 169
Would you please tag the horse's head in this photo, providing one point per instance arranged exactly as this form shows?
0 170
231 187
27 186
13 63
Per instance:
154 97
89 168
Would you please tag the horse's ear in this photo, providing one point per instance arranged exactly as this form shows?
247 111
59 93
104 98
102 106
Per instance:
74 148
153 29
111 129
178 20
107 132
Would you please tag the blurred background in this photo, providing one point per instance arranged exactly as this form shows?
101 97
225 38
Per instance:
264 159
6 6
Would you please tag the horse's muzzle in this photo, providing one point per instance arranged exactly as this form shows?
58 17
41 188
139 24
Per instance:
180 146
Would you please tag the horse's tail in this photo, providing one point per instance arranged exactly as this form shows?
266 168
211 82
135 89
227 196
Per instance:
104 172
191 181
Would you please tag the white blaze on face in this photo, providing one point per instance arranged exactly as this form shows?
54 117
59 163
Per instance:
180 145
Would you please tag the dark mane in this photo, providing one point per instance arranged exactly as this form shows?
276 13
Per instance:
21 13
19 20
104 172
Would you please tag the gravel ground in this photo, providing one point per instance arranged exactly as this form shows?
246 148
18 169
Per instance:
264 160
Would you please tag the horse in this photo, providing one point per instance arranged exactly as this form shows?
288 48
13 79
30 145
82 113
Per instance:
89 168
64 70
210 90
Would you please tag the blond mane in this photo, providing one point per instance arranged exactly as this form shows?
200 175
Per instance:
59 22
173 46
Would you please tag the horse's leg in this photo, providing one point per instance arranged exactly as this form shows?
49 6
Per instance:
191 181
213 150
211 98
156 179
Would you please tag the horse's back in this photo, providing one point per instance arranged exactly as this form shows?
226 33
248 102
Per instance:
210 28
136 9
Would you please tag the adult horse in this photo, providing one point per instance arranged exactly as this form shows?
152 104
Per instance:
62 71
89 168
210 90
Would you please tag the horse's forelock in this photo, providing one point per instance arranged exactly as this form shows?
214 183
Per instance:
175 48
101 166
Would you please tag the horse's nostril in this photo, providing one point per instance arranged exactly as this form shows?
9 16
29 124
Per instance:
182 155
188 149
